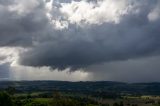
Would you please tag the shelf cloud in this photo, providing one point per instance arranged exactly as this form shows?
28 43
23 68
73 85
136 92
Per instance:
77 34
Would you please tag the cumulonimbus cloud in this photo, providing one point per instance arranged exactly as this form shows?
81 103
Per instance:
77 34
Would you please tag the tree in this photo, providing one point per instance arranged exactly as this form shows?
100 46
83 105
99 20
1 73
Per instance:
121 103
5 99
115 104
10 90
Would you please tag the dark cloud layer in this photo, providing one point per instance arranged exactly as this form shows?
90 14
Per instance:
59 39
133 70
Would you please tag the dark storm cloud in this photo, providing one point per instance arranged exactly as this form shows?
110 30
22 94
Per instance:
61 41
17 24
138 70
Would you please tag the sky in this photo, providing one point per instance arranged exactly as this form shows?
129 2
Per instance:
80 40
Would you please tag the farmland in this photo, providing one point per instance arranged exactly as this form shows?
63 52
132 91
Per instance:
59 93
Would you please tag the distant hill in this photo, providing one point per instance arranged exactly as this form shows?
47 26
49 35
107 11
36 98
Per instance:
99 86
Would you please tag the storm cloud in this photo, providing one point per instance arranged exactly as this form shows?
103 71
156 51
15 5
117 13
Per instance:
78 34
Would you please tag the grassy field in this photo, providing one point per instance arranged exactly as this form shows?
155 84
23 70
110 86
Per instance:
145 100
57 98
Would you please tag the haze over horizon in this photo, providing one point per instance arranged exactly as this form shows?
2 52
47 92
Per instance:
80 40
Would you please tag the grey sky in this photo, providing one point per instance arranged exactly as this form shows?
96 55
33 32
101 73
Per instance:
123 35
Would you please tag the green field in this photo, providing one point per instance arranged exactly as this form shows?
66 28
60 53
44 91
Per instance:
75 99
60 93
